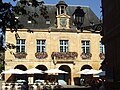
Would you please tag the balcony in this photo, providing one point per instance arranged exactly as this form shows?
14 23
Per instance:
86 55
64 56
20 55
41 55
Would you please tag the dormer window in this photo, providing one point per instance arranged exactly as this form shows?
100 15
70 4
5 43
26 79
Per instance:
47 22
16 17
29 21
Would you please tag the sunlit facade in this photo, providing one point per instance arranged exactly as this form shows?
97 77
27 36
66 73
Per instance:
56 44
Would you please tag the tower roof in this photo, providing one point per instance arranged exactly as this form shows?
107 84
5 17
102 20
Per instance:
61 2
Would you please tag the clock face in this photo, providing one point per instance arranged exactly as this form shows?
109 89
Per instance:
63 22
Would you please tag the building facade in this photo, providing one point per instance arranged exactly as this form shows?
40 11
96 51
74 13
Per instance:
111 39
55 43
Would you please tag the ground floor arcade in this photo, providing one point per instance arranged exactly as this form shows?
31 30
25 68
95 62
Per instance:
71 78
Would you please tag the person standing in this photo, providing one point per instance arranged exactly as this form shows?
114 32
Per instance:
24 86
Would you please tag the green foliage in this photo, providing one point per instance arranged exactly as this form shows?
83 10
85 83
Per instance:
8 13
1 67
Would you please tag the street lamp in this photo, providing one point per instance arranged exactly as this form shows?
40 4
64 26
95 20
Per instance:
78 15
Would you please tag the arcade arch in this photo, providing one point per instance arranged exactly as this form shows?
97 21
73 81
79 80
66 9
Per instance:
65 77
40 76
88 77
21 76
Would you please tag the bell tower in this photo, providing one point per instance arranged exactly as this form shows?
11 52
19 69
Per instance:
61 7
62 17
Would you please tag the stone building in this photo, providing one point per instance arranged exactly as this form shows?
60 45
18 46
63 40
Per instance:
55 43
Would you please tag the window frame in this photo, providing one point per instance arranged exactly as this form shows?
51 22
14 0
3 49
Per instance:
20 45
42 47
64 45
102 48
85 46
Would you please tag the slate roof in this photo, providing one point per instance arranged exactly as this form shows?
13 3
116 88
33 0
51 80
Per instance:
41 22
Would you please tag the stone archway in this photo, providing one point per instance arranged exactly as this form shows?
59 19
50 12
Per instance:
41 67
21 67
65 77
40 76
21 76
86 67
85 79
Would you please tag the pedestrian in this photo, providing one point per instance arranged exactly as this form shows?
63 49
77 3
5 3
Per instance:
24 86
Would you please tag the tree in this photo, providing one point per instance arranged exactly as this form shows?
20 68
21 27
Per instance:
8 13
8 19
1 67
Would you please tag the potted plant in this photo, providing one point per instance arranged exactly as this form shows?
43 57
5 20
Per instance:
86 55
64 55
102 56
41 55
20 55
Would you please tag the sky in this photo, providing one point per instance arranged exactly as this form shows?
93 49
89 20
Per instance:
93 4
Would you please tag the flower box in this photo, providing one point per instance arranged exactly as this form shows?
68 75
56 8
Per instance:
102 56
86 55
20 55
41 55
64 55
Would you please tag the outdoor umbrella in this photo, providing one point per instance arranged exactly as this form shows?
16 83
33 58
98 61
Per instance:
54 71
13 71
102 73
33 71
85 71
93 71
20 81
89 71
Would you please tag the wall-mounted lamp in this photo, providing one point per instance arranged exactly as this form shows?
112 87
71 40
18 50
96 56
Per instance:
78 15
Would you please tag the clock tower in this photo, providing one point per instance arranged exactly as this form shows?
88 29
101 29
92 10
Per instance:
62 17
